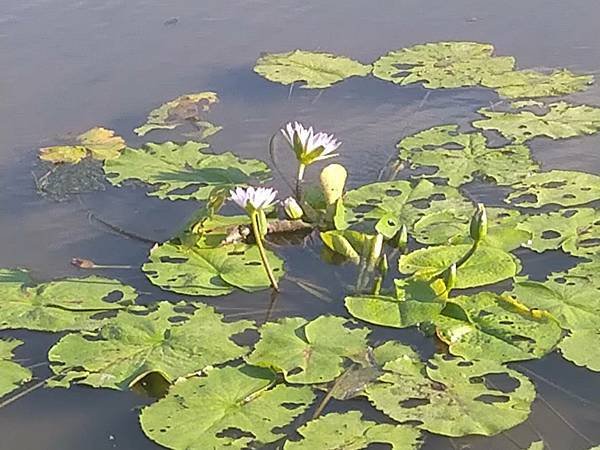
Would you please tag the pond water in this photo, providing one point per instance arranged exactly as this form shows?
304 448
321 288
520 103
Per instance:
69 65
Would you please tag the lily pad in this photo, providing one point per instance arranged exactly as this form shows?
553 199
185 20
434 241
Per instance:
459 157
100 143
12 375
316 69
417 302
166 341
349 431
588 270
488 265
582 347
442 64
561 120
490 326
450 227
347 243
530 83
451 396
575 302
229 408
405 201
194 270
575 231
68 304
308 352
558 187
183 171
189 108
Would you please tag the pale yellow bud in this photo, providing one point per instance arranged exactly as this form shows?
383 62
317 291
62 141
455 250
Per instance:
333 180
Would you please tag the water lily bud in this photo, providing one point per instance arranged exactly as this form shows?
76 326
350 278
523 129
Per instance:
333 180
449 277
478 227
292 209
375 250
401 239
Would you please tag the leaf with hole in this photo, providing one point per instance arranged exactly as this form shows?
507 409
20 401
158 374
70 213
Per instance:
531 83
461 157
194 270
61 305
488 265
183 171
308 352
166 340
316 69
12 375
452 397
560 121
232 407
349 431
492 326
189 108
558 187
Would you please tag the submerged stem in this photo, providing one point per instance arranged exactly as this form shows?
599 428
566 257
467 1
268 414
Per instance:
261 250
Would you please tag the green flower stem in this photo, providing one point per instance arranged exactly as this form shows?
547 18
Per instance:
299 178
261 249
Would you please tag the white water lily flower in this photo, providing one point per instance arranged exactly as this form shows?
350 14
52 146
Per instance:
308 146
252 199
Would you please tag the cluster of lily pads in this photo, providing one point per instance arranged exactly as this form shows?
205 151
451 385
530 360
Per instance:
454 275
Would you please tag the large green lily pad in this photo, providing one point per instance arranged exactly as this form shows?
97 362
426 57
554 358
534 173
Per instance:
416 302
574 302
490 326
530 83
442 64
349 431
197 413
166 341
582 347
189 108
316 69
12 375
576 231
183 171
561 120
558 187
588 270
403 200
68 304
488 265
459 157
450 227
195 270
451 396
308 352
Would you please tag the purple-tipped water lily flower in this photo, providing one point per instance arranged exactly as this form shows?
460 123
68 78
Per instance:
309 146
253 199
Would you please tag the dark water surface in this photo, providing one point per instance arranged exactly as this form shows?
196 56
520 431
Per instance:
69 65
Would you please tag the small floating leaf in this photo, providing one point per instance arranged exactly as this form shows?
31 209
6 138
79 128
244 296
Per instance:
582 347
229 408
460 157
562 120
182 171
451 396
308 352
349 431
537 445
488 265
487 326
209 271
68 304
12 375
558 187
189 108
316 69
442 64
574 302
417 302
101 143
131 346
575 231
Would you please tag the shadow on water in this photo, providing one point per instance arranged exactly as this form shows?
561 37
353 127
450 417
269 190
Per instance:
71 65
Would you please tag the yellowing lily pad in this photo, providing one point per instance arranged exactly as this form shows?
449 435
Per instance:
100 143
